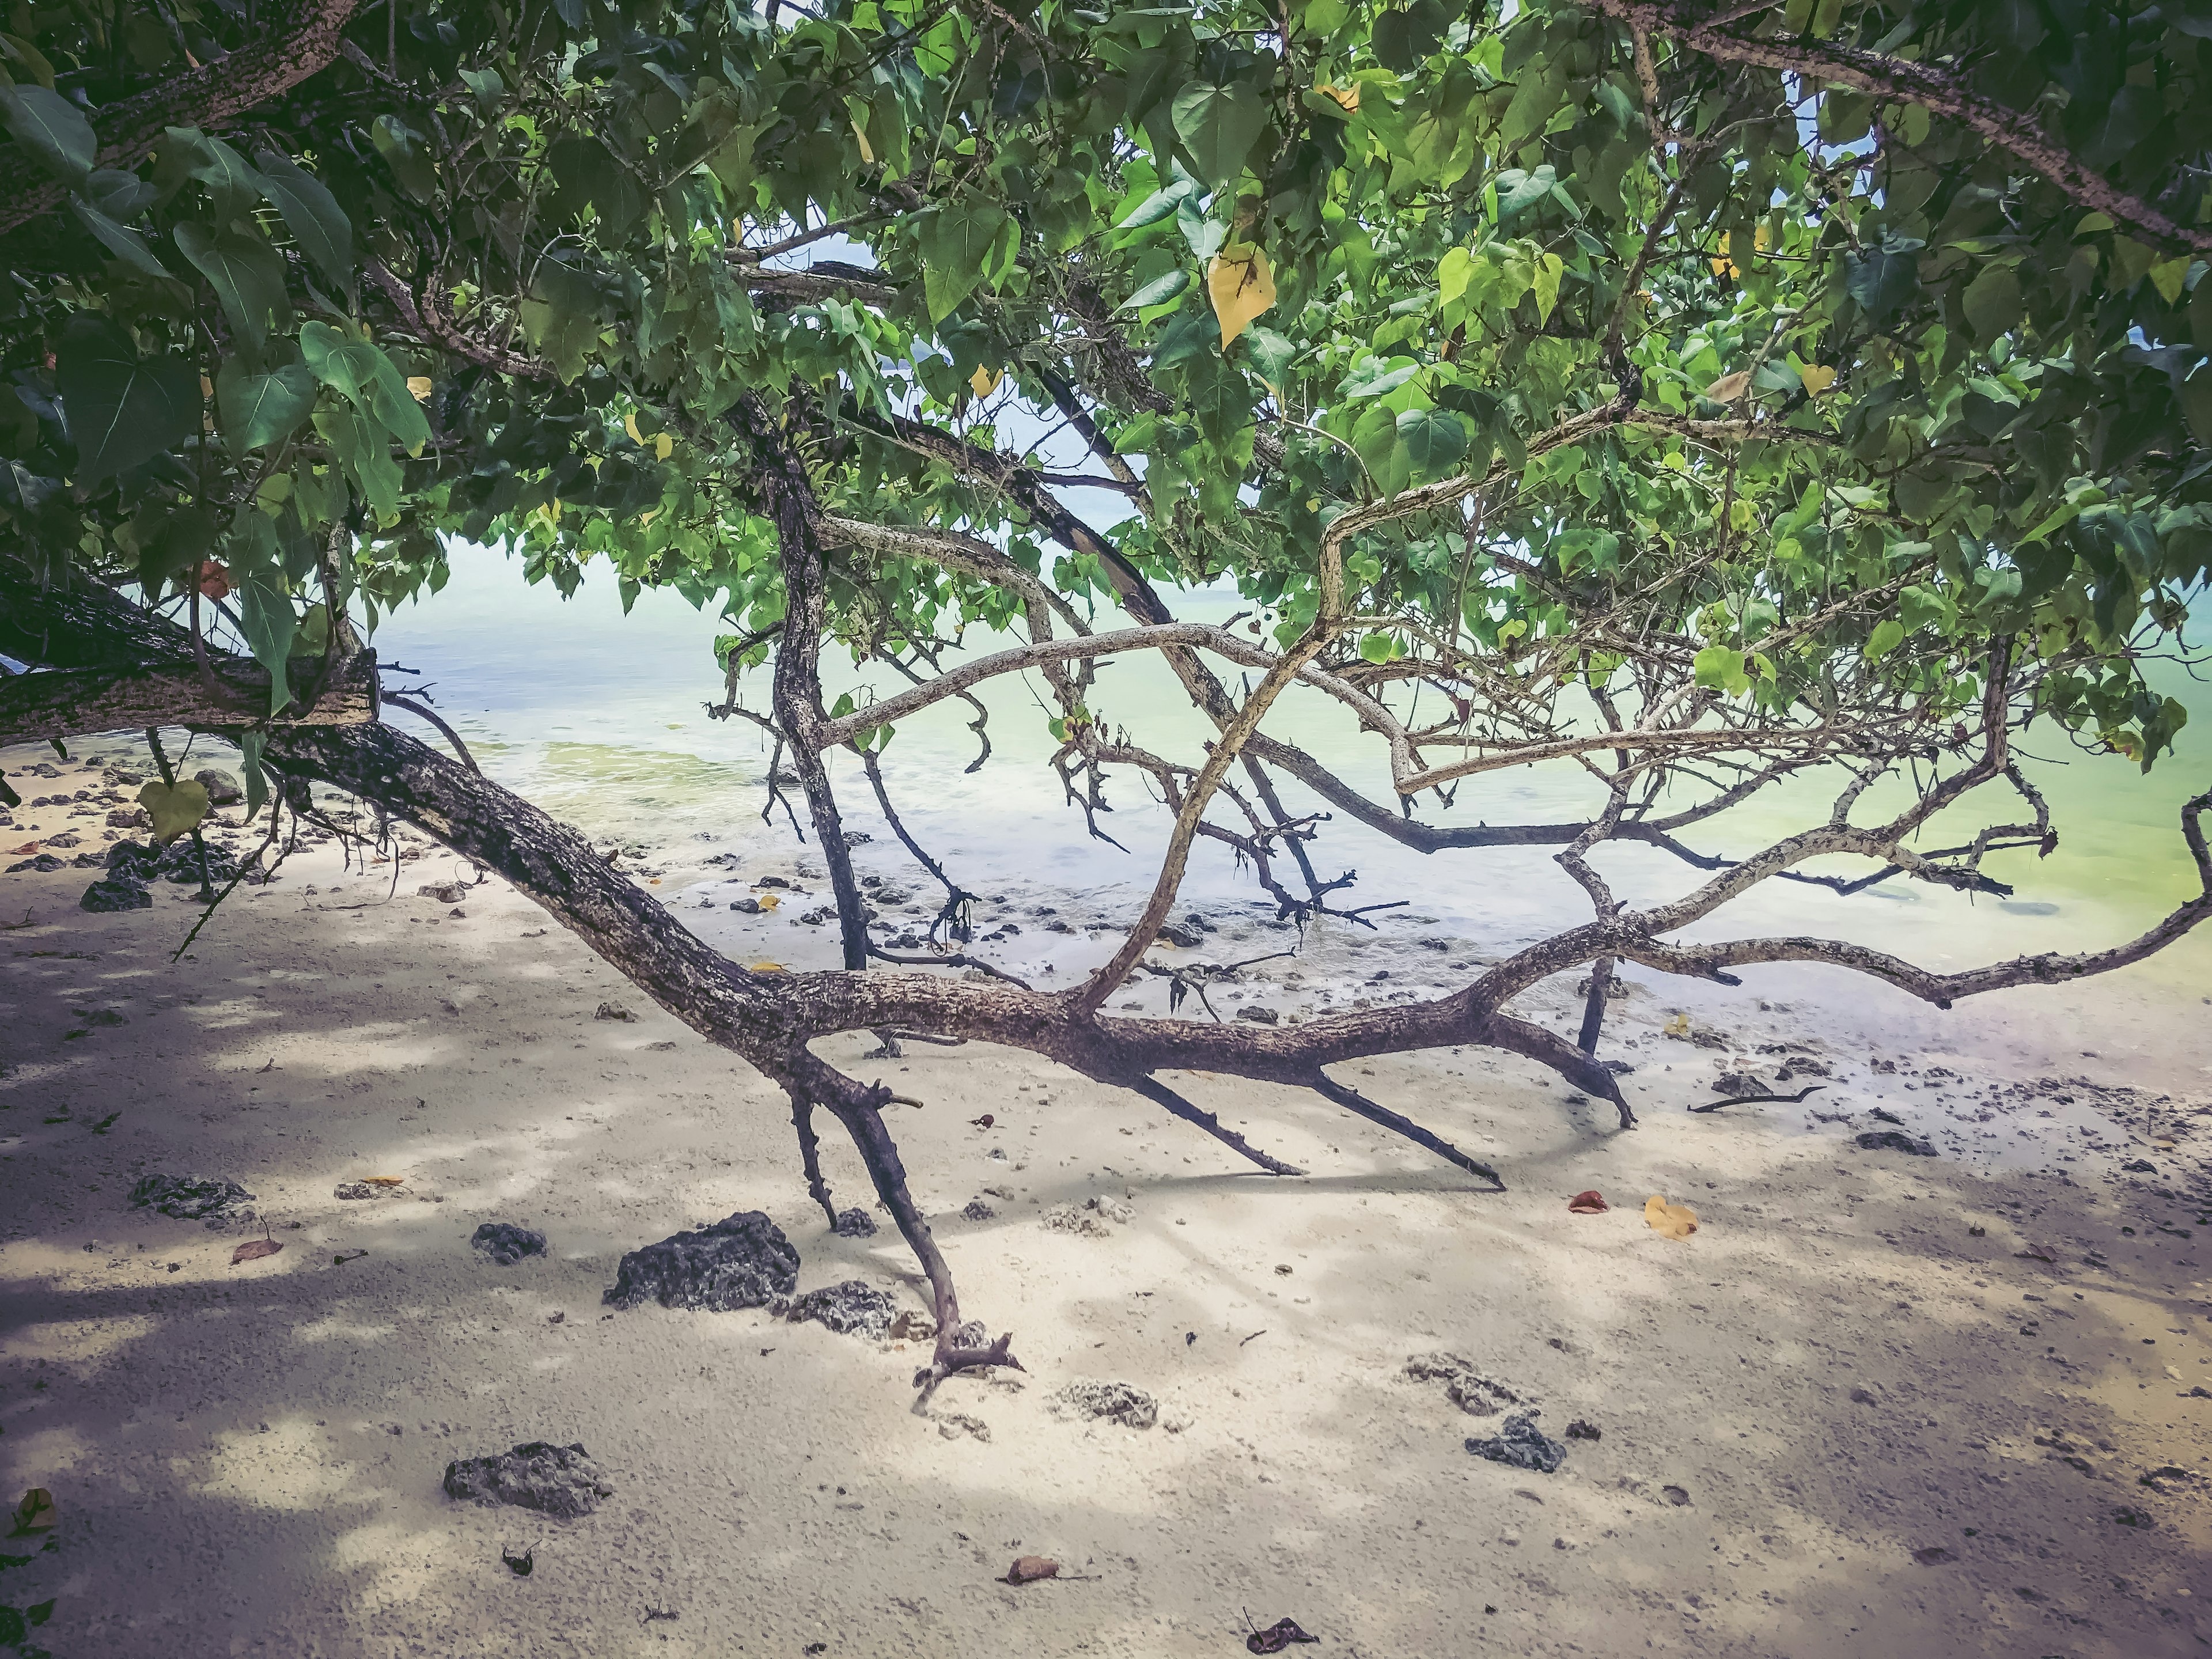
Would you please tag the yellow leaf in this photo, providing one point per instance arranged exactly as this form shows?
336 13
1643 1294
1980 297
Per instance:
985 380
1669 1220
176 809
766 968
1730 387
1818 378
1345 98
663 447
629 425
769 901
1678 1026
36 1512
207 386
1242 288
420 386
867 154
1759 238
384 1181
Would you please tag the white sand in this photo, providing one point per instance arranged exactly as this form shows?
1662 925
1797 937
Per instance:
248 1460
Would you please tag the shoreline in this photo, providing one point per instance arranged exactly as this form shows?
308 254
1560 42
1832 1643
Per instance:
246 1458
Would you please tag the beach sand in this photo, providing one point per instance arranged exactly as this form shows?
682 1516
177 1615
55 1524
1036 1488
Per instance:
1853 1413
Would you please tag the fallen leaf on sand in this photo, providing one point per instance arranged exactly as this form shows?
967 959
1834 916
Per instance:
2038 1252
24 850
984 1121
1934 1555
1678 1026
36 1512
1591 1203
254 1249
767 901
766 968
344 1256
384 1181
1028 1569
1669 1220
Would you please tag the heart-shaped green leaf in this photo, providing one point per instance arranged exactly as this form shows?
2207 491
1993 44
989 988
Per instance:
1218 125
121 409
176 808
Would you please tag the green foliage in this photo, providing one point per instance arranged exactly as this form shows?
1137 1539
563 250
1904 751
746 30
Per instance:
1980 411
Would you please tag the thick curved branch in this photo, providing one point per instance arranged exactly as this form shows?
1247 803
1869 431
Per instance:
1934 88
285 54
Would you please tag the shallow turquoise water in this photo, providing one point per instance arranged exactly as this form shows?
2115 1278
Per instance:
600 718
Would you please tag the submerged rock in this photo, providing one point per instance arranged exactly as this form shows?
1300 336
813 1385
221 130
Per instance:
557 1480
507 1243
854 1308
741 1261
188 1197
1520 1443
1115 1402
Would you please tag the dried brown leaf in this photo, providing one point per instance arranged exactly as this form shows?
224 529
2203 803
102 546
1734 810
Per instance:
1590 1203
1028 1569
254 1249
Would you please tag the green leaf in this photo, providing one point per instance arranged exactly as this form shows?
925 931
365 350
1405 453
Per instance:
357 442
1882 281
1433 440
121 195
1993 303
560 318
188 153
121 409
956 241
589 174
1269 355
311 214
246 274
1545 273
52 128
259 409
1517 189
1157 292
365 377
124 243
1160 204
1722 670
1218 125
401 146
1886 637
252 744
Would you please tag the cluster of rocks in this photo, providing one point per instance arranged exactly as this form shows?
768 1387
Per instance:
1088 1219
507 1243
209 1199
1518 1442
561 1481
1106 1401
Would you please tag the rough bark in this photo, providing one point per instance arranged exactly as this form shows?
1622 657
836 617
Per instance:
288 52
59 704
